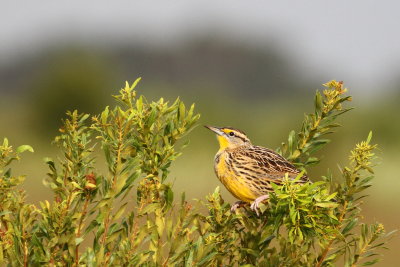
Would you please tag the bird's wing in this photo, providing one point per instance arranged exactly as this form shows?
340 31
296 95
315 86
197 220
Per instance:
264 163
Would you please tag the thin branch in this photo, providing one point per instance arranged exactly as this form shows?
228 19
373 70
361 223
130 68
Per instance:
328 247
78 234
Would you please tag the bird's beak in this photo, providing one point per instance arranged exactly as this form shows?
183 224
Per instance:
214 129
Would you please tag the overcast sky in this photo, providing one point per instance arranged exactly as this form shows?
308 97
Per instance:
357 41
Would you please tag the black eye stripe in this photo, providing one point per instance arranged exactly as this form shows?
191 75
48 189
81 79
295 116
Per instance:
243 139
238 136
229 131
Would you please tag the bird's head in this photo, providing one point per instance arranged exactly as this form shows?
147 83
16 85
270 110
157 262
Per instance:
229 137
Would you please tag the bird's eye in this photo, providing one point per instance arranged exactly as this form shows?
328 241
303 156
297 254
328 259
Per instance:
231 133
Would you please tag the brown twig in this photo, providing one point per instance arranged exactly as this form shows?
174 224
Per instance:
114 179
328 247
79 228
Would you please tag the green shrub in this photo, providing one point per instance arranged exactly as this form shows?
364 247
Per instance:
128 216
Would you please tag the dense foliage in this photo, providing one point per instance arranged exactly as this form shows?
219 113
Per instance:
128 216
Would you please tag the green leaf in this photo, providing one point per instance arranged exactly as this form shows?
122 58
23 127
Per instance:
5 142
207 258
331 196
181 111
327 204
152 117
370 262
5 212
169 197
266 240
135 83
315 185
78 240
292 140
369 137
139 104
120 211
298 176
24 148
91 226
104 115
312 160
150 208
318 102
349 226
83 118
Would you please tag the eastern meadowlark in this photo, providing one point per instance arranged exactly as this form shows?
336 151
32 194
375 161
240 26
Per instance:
247 170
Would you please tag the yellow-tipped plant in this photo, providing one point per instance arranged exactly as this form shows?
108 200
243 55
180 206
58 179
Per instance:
127 216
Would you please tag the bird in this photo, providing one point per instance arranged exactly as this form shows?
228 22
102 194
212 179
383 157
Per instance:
246 170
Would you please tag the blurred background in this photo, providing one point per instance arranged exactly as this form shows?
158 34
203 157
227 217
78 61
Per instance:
254 66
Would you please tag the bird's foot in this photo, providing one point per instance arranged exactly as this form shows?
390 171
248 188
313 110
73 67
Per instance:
236 205
255 205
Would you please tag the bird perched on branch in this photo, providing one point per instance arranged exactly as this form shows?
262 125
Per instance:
247 170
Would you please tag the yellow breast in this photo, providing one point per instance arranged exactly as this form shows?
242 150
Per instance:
236 185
